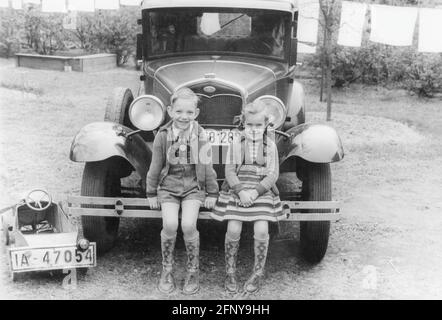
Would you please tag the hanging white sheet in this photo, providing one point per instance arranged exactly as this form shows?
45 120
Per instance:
130 2
352 23
430 26
17 4
81 5
53 6
308 20
32 1
392 25
107 4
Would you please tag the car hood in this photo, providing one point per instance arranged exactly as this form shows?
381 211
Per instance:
247 77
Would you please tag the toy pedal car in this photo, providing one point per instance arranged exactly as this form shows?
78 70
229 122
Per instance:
40 236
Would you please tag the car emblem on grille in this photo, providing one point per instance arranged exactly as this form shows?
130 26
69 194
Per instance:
209 89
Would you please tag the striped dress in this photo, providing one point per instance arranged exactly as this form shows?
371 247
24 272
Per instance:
266 207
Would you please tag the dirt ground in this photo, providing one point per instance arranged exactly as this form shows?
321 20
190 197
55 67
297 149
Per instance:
386 246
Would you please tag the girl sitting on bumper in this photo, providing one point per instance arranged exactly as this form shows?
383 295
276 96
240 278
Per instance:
249 193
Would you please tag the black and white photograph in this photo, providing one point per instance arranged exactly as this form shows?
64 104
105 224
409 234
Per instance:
224 150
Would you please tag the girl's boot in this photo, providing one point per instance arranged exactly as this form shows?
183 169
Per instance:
167 282
253 284
231 254
191 283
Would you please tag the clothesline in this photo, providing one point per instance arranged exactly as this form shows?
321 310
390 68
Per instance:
64 6
391 25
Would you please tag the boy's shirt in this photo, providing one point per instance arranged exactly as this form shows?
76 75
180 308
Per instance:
160 163
179 133
181 138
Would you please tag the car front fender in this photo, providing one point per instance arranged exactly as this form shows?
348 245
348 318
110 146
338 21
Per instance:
99 141
316 143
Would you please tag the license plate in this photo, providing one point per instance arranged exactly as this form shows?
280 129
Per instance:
57 257
220 137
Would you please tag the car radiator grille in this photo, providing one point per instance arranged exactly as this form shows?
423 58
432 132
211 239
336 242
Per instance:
219 109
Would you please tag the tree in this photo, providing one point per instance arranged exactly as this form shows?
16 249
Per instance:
329 10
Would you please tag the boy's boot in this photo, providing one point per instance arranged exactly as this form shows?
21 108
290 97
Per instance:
254 282
231 254
167 282
192 283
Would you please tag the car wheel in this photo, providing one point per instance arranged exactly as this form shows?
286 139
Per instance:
314 235
289 187
118 106
100 180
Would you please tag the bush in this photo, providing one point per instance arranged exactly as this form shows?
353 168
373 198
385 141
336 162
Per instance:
424 75
44 32
11 32
378 64
109 31
101 31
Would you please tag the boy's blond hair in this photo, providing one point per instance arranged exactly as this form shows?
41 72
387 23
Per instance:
184 93
255 107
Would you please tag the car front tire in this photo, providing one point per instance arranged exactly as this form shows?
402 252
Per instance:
314 235
100 180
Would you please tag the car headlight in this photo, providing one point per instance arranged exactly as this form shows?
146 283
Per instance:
147 112
275 108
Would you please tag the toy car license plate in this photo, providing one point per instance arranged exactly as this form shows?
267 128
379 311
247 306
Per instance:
220 137
57 257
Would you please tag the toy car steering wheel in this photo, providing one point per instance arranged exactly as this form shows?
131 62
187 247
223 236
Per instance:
35 197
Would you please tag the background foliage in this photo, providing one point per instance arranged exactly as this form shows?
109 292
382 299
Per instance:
102 31
379 64
115 32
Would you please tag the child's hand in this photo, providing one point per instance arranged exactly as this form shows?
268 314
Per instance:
209 203
154 204
246 198
254 194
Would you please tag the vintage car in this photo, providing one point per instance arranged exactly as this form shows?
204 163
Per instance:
39 236
229 53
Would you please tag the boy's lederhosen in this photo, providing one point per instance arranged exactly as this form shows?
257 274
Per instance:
180 182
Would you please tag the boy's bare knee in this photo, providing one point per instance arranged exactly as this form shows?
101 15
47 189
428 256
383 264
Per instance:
188 227
170 227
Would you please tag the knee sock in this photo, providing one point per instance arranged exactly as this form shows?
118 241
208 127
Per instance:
167 248
231 247
192 248
261 247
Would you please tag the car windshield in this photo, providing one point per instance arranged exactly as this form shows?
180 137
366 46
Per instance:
196 30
